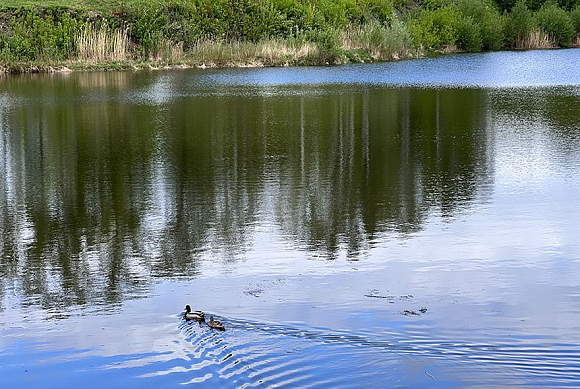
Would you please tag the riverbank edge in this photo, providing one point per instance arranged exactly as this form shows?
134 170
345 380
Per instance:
255 62
76 66
79 66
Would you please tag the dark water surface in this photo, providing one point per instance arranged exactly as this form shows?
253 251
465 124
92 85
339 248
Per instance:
307 209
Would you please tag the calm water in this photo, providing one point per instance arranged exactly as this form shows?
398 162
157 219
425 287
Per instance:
307 209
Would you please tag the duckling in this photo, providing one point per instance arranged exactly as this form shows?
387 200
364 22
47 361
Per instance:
195 315
216 325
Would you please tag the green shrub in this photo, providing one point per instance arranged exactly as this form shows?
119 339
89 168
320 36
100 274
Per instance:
569 4
329 44
398 40
434 29
490 22
401 5
505 5
34 36
555 22
146 20
493 28
176 21
299 15
380 10
519 24
536 5
475 9
187 21
469 35
575 17
336 13
435 4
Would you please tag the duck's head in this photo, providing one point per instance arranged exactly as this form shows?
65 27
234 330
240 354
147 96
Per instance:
187 309
211 318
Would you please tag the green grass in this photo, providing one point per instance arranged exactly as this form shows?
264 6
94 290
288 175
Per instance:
98 5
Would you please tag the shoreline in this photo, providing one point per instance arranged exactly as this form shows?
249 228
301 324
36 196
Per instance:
105 66
67 66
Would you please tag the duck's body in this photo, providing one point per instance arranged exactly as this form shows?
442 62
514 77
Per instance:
195 315
216 325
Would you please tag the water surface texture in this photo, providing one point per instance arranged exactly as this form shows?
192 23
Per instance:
315 211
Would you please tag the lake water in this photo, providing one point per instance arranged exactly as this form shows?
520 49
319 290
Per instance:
310 210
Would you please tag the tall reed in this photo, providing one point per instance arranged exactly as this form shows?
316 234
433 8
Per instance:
102 43
267 52
168 52
536 39
382 42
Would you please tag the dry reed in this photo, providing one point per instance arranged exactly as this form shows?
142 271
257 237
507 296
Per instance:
168 52
380 41
536 39
269 52
98 44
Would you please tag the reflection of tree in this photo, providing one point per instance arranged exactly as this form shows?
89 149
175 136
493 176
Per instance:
101 196
75 194
379 161
552 110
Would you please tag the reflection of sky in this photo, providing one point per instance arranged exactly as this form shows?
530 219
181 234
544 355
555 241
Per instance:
474 304
521 69
491 70
503 274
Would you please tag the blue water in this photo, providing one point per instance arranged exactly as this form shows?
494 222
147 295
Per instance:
307 209
514 69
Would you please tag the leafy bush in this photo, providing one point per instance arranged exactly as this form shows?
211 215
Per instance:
535 5
434 29
334 12
493 30
519 24
555 22
328 43
300 16
491 24
146 20
435 4
505 5
575 17
564 4
36 37
379 10
568 4
469 35
399 41
476 9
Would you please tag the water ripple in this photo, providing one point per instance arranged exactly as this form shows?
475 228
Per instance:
258 354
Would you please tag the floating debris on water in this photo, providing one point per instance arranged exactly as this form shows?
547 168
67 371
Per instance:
375 293
410 312
254 292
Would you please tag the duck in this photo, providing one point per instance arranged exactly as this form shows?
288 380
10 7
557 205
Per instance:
195 315
216 325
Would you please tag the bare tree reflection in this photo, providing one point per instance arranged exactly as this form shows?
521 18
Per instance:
99 197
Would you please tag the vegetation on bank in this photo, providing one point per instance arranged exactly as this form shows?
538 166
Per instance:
115 33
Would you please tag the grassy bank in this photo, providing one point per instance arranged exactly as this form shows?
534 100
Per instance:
39 36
